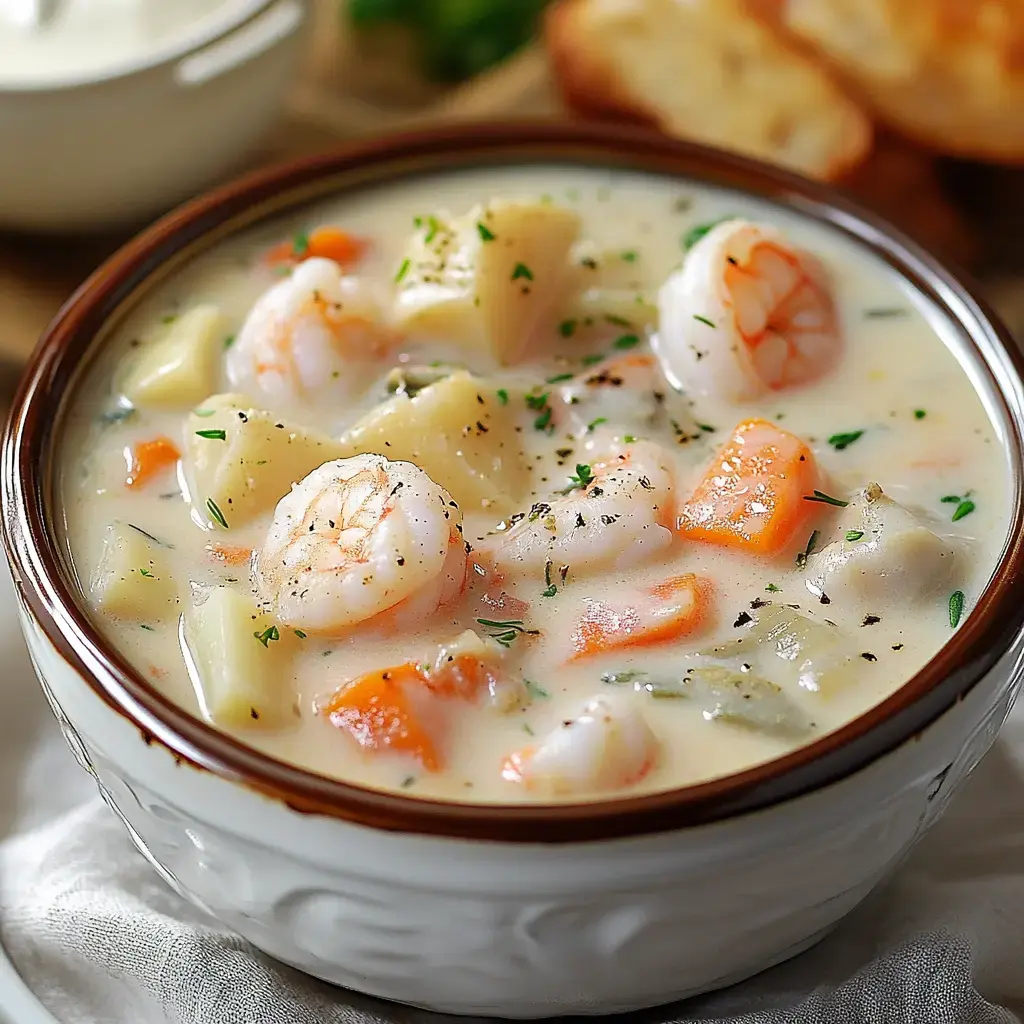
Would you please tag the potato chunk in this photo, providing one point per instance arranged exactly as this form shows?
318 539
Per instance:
882 554
180 368
458 431
489 280
241 661
133 579
249 469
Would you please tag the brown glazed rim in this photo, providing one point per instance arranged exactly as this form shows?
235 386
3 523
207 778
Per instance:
46 582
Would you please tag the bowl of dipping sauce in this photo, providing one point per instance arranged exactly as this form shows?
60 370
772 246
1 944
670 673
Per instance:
518 570
112 111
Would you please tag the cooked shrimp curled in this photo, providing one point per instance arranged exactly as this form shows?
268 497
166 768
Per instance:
358 538
748 313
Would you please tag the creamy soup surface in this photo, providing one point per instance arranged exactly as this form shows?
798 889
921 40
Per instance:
532 484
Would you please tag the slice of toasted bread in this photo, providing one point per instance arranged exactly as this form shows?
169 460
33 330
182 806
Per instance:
705 70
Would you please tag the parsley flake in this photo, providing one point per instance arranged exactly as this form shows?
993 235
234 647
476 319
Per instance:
300 244
502 396
403 270
826 499
844 440
812 542
486 234
626 341
956 608
703 320
521 270
567 328
270 633
216 512
853 536
213 435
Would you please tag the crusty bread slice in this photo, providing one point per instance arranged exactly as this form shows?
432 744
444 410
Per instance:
705 70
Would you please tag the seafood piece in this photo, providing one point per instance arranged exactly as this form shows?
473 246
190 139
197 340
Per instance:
607 746
317 327
747 313
624 391
471 665
724 694
882 553
617 513
359 537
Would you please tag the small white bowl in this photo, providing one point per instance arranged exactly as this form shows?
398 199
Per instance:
116 146
514 911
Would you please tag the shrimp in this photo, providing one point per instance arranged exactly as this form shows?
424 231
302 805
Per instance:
360 540
618 513
748 313
607 746
316 326
625 390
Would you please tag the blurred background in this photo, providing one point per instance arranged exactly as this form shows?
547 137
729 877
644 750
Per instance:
112 111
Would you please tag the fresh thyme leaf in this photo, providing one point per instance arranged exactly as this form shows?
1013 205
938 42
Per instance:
884 313
594 424
502 396
617 321
537 402
229 341
854 535
486 234
536 690
270 633
559 378
543 421
593 358
299 634
146 572
433 226
812 541
706 427
956 607
703 319
951 499
626 341
965 508
403 270
213 435
156 540
507 631
567 328
772 589
522 270
844 440
216 512
549 591
826 499
628 256
583 476
148 629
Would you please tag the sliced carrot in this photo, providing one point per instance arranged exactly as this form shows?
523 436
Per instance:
751 496
229 555
149 459
330 243
667 611
386 710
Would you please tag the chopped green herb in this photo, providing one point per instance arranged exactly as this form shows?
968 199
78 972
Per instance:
626 341
629 438
559 377
169 318
403 270
229 341
508 630
300 244
617 321
433 226
146 572
485 232
216 512
156 540
772 589
522 270
543 421
812 541
148 629
536 690
628 256
213 435
299 634
854 535
567 328
884 313
537 402
584 475
528 730
706 427
594 357
270 633
841 441
956 607
698 231
549 591
965 508
594 424
826 499
919 414
502 396
951 499
703 319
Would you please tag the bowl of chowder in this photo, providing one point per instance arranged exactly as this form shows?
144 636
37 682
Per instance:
523 570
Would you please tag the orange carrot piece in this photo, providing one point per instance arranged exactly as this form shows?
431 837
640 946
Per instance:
380 710
751 496
680 606
229 555
331 243
149 459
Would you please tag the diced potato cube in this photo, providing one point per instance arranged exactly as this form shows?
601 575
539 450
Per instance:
458 431
241 661
180 368
882 554
491 279
133 577
248 470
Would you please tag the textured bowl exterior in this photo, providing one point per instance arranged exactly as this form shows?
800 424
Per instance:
523 930
115 151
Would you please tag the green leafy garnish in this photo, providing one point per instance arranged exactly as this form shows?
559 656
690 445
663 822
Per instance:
616 321
522 270
703 320
229 341
156 540
628 256
213 435
626 341
594 424
583 476
549 591
567 328
965 508
559 378
812 542
403 270
537 402
706 427
826 499
543 421
844 440
854 535
698 231
951 499
433 226
270 633
148 629
216 512
300 244
486 234
594 357
772 589
508 630
629 438
956 607
299 634
502 396
169 318
884 313
146 572
919 414
536 690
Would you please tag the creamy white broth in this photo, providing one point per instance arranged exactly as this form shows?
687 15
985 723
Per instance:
925 437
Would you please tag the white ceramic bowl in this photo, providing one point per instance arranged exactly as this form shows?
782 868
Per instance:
112 149
526 911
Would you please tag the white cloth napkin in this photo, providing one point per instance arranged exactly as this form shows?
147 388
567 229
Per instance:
101 940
